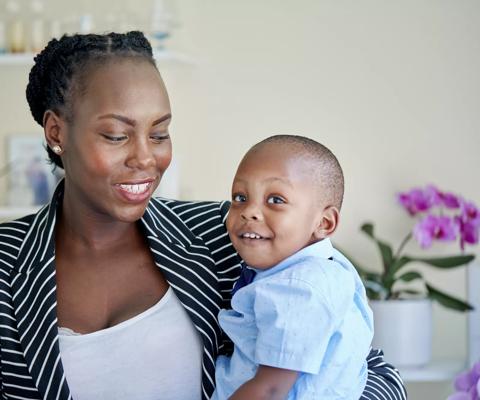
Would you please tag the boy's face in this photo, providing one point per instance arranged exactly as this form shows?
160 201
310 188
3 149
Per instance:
275 206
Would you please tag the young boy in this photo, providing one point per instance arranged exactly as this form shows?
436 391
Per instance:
302 328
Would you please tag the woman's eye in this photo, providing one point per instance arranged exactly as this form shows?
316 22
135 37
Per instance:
113 138
275 200
160 137
239 198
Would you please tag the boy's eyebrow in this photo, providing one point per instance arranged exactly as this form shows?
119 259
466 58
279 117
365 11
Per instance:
132 122
268 180
282 180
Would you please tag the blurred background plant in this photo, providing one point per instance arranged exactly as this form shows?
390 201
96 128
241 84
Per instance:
441 216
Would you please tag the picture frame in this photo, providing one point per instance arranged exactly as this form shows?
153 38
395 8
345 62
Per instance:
31 178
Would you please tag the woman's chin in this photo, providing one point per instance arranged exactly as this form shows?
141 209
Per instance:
131 213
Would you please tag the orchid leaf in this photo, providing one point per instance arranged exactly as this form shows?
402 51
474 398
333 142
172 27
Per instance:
447 300
444 262
385 250
397 294
397 264
368 229
439 262
410 276
410 291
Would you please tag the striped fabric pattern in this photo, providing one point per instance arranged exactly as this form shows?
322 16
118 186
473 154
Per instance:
191 247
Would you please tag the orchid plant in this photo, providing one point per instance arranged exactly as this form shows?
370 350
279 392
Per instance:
467 384
441 216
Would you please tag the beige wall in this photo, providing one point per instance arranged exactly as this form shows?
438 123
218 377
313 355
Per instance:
393 88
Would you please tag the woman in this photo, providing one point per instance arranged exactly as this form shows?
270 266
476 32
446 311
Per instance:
105 292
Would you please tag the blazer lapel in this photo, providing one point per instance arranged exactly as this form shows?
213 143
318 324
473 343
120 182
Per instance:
183 258
187 265
34 301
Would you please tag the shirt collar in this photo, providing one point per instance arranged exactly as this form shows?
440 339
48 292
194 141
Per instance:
322 249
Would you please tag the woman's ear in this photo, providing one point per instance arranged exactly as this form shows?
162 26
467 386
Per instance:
328 222
54 128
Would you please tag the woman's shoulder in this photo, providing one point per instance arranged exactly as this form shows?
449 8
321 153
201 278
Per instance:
12 235
206 221
16 228
193 213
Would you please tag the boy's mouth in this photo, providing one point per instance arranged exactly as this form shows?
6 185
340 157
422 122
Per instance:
251 235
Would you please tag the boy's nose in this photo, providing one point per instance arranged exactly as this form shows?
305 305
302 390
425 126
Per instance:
251 213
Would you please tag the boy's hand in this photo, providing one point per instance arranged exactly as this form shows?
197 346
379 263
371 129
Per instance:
269 383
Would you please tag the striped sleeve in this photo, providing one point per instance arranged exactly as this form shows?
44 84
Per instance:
384 381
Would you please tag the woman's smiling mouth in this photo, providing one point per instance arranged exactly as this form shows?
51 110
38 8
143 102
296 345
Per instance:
135 192
138 188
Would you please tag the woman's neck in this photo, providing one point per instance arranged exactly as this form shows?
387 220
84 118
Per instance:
85 228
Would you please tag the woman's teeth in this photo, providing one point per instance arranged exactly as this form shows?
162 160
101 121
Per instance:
136 189
250 235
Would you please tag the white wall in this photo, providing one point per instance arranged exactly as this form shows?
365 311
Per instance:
392 88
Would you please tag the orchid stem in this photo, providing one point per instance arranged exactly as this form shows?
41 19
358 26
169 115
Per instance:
402 245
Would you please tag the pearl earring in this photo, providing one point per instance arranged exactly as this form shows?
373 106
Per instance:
57 149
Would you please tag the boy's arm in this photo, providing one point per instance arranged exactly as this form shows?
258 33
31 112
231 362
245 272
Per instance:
269 383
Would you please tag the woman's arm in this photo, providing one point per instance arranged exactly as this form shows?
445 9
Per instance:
383 382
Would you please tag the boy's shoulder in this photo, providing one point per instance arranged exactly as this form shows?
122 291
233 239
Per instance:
329 281
315 267
319 272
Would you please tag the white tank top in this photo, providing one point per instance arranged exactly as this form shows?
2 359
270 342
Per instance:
156 355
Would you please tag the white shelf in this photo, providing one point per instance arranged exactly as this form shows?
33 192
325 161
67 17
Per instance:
16 59
160 56
7 213
436 371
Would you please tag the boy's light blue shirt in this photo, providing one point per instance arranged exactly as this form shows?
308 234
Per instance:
309 314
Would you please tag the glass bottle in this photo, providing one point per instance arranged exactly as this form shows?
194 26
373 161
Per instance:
37 27
16 29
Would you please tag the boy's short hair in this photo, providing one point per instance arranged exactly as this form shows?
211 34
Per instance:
327 172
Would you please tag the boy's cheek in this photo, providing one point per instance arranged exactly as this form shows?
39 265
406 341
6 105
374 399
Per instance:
229 223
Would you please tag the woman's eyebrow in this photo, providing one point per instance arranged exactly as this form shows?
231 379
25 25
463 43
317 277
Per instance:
121 118
132 122
164 118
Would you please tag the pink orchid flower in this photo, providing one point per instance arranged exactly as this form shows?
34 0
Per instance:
446 216
433 227
467 384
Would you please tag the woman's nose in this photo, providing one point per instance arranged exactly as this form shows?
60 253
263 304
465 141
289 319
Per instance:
141 155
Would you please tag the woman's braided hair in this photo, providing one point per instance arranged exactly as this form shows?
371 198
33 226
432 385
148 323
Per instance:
59 69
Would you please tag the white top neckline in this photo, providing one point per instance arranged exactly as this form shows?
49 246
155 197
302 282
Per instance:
67 333
155 354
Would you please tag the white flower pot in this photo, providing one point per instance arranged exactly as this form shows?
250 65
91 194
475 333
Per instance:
403 330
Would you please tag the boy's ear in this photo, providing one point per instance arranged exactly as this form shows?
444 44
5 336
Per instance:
54 128
327 224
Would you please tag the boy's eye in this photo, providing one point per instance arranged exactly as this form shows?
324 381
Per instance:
239 198
275 200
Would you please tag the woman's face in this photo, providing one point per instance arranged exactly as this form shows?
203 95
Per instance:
117 146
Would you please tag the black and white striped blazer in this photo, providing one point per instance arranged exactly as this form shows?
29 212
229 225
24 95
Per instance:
191 247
